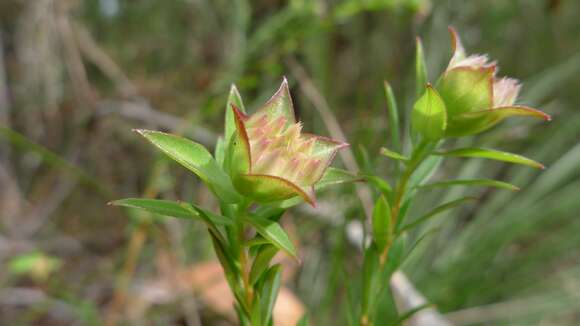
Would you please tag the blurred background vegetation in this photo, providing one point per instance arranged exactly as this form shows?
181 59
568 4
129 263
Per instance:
77 76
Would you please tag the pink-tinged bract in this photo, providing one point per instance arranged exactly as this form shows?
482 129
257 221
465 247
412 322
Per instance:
271 159
475 98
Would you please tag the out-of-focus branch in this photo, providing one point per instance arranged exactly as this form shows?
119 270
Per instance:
94 53
74 62
140 110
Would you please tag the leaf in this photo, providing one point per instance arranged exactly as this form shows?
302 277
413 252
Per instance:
492 155
409 313
429 116
490 117
173 209
334 176
35 263
220 151
209 215
370 266
436 211
471 182
272 231
234 98
54 160
425 170
393 114
477 121
420 68
382 228
157 206
197 159
269 292
394 155
262 262
381 184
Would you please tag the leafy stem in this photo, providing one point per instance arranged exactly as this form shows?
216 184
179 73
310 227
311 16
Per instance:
420 153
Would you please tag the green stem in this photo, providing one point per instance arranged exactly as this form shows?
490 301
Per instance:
421 152
243 258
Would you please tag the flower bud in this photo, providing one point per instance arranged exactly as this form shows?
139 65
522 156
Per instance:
475 98
271 159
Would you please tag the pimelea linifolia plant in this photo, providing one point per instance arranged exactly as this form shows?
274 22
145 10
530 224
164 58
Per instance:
265 164
262 166
467 99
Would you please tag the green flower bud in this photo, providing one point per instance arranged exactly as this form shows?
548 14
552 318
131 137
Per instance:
475 98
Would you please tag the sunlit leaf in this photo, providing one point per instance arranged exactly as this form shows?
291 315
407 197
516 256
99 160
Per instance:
492 154
272 231
197 159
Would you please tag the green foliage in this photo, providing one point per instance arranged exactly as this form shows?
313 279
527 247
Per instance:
382 226
492 154
197 159
272 231
430 115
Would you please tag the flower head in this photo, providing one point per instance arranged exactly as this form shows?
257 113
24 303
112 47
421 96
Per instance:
271 158
475 98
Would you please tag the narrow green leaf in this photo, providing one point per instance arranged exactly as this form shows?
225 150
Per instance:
471 182
209 215
393 113
334 176
492 154
197 159
429 116
382 228
500 113
53 159
220 151
409 313
394 155
157 206
269 292
370 266
272 231
380 184
420 68
262 262
234 98
396 255
436 211
173 209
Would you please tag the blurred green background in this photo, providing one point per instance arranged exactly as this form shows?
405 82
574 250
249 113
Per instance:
77 76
